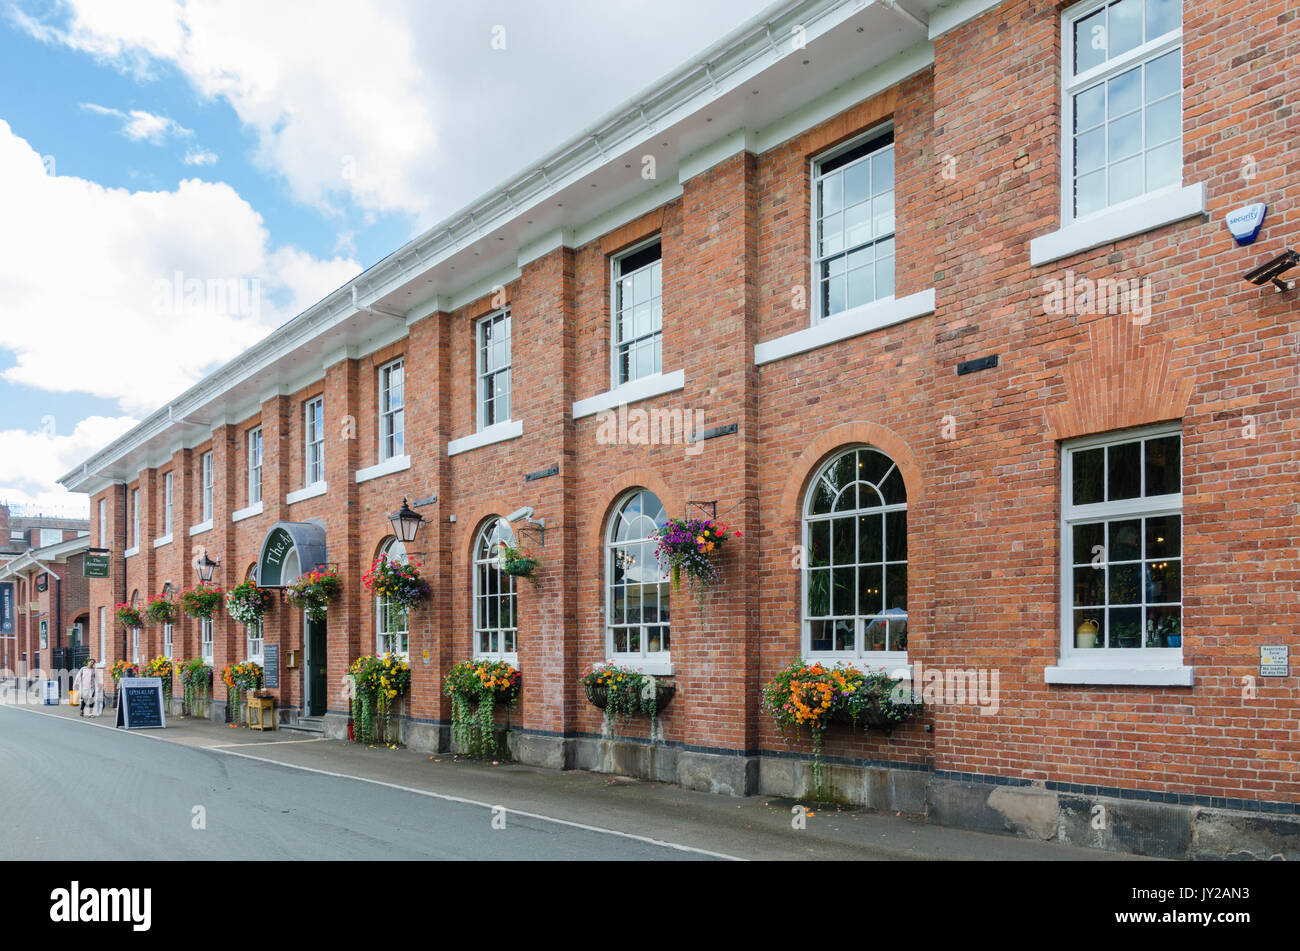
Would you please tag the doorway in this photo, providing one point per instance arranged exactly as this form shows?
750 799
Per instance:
314 674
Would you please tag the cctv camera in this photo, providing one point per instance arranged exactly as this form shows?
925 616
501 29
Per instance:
1272 271
525 512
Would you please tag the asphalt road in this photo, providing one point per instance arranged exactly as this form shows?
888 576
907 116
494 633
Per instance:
76 789
72 791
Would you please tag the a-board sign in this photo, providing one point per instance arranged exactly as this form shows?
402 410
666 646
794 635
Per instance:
140 703
271 666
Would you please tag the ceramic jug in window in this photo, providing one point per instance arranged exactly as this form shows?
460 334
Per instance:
1085 635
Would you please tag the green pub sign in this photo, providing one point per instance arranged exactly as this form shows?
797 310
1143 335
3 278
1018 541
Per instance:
94 566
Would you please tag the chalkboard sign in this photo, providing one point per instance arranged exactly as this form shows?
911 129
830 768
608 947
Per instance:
271 666
140 703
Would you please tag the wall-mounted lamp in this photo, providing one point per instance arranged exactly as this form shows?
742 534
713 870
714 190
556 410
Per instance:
406 523
205 566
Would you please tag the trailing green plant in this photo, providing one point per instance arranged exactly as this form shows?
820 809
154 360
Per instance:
201 601
476 687
314 591
623 692
378 681
810 696
196 681
160 610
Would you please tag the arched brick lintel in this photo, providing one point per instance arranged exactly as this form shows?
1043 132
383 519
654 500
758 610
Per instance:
872 434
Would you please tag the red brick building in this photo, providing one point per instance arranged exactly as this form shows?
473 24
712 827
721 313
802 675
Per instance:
946 299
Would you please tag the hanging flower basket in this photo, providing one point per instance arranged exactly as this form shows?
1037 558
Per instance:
129 616
517 562
598 695
201 601
398 583
160 610
246 602
693 547
314 591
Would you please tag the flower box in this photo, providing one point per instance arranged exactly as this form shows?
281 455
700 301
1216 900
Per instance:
598 696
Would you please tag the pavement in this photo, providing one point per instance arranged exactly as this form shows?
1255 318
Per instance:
79 789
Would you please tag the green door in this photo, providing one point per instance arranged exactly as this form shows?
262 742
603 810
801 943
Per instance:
316 658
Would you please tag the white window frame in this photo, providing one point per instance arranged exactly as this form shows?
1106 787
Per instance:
314 441
254 465
398 639
135 519
101 661
1072 85
651 662
816 177
209 479
254 643
167 641
135 645
656 336
891 661
1141 507
482 564
483 377
103 523
205 640
167 505
392 418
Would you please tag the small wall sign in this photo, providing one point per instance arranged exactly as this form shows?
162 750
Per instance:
1273 661
42 581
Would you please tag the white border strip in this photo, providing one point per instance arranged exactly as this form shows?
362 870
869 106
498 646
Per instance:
657 384
499 432
1123 221
387 467
310 492
852 323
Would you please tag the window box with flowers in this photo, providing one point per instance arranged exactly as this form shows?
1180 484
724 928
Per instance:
476 689
313 592
693 547
201 601
814 696
377 682
623 692
196 684
161 667
239 679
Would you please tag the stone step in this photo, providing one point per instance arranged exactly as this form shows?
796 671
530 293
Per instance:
314 725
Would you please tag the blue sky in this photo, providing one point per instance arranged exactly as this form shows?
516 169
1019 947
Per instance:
287 145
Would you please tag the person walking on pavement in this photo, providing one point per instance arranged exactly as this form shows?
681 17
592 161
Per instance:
84 684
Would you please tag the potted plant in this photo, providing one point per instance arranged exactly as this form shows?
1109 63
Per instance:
201 601
692 546
518 562
476 688
314 591
1128 633
122 668
377 681
129 616
622 692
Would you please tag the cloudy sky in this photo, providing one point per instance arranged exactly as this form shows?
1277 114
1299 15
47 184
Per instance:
146 144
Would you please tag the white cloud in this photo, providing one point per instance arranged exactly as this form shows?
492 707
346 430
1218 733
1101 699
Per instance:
340 102
200 157
134 295
32 462
141 126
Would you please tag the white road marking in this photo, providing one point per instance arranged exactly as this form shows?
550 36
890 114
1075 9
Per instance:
410 789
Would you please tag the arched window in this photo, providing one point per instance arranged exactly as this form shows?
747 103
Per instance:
855 573
392 622
496 621
636 605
